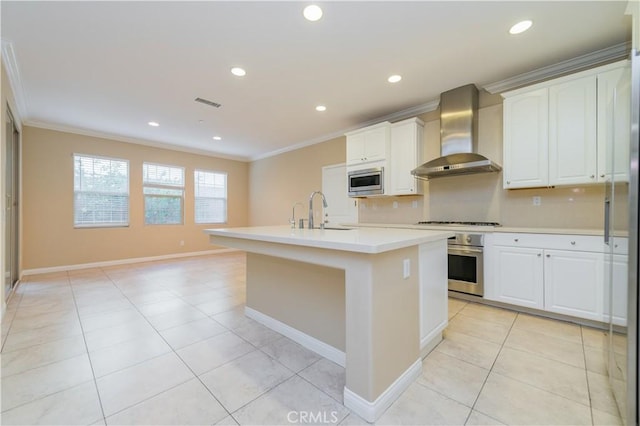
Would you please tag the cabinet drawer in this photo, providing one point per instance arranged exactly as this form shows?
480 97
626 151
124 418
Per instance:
620 245
550 241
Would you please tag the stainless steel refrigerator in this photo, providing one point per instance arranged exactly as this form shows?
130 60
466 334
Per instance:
621 220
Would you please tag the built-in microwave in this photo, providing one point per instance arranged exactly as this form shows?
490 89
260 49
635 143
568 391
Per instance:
366 182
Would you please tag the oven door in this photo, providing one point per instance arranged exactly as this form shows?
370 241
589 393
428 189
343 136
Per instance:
465 269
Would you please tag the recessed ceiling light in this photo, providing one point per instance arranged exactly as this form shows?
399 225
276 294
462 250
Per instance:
394 78
238 71
321 108
520 27
217 138
154 124
312 12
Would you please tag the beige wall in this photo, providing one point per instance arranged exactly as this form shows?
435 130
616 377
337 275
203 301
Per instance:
275 183
309 298
49 236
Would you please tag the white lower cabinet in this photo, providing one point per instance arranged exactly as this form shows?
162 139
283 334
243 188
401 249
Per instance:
563 274
615 271
573 283
518 276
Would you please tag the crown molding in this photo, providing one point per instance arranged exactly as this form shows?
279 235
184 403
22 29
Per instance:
609 54
135 141
15 81
396 116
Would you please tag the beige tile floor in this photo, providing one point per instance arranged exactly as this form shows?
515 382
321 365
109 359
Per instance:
167 343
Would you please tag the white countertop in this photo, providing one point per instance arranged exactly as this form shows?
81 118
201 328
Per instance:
360 240
468 228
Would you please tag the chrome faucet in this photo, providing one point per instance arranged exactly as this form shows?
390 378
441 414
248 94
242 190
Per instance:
324 204
292 221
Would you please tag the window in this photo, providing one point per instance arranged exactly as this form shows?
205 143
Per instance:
210 197
163 194
101 191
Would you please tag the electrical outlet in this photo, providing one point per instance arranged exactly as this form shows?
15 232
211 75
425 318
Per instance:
414 204
181 243
537 200
395 204
406 266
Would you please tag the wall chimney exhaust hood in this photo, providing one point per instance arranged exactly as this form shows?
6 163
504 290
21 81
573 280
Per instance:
458 138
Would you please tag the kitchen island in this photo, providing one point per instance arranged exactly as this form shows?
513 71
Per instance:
372 300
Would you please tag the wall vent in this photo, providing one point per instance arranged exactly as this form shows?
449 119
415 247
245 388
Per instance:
208 102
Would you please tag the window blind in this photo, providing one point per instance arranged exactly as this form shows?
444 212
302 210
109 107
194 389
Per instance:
101 191
210 197
163 194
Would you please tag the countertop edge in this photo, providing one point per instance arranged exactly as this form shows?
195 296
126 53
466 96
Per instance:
498 229
305 238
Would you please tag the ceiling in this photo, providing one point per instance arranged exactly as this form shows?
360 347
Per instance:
108 68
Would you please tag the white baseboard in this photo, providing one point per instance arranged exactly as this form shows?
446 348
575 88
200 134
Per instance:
122 261
371 411
427 346
298 336
431 340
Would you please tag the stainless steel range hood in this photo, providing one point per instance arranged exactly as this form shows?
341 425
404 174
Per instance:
458 137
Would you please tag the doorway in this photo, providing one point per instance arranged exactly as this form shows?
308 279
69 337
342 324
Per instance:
11 195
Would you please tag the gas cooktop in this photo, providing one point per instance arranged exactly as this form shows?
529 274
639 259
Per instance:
454 223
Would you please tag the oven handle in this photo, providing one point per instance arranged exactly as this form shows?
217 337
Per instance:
465 250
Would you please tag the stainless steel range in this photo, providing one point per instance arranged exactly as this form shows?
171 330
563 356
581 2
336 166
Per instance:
466 256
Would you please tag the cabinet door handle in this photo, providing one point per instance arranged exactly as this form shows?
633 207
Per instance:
602 176
539 254
592 176
515 239
573 243
548 255
508 182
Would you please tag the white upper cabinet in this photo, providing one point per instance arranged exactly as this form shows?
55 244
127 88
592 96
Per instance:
406 153
395 147
614 98
526 118
558 132
368 144
572 132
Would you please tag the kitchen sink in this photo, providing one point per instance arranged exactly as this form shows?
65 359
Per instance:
338 228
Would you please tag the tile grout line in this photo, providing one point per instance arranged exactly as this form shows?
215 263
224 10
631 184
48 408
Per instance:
541 356
586 376
71 287
93 373
473 407
176 354
13 317
196 376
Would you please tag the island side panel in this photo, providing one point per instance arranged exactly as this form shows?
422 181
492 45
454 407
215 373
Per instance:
382 321
307 297
434 306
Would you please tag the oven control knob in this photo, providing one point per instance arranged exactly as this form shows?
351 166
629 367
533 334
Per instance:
468 238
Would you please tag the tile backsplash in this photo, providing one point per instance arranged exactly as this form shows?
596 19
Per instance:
481 198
